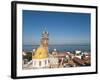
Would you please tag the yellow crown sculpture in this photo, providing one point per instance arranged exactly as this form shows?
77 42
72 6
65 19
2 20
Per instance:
42 50
41 53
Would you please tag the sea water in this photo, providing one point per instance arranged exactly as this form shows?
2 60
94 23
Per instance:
60 48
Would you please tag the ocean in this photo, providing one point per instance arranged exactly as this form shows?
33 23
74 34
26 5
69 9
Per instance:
60 48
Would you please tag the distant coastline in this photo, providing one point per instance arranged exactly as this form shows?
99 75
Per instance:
61 47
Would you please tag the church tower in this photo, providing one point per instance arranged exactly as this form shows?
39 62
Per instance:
40 59
45 39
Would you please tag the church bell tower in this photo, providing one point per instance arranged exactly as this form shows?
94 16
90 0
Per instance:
45 39
40 59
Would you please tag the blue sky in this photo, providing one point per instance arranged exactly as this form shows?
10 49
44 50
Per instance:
63 27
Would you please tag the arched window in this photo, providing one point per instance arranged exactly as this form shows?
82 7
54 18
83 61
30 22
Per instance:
45 62
39 63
